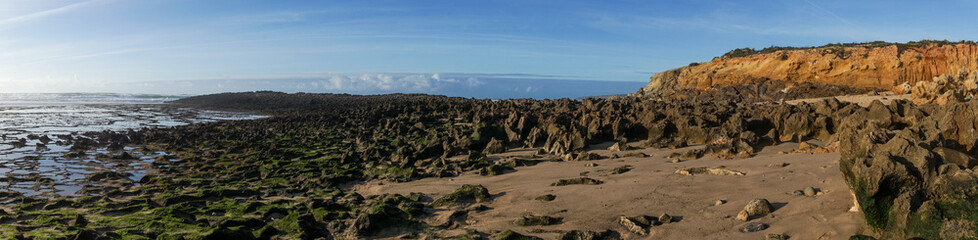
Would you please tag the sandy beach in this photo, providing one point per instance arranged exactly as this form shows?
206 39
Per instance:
652 188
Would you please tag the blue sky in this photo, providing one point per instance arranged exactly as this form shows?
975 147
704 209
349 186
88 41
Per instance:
442 47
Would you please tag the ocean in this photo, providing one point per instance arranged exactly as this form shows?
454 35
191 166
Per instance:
36 131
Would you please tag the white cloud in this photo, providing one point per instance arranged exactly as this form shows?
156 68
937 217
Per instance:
384 82
46 13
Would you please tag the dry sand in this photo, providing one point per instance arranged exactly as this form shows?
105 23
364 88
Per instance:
652 187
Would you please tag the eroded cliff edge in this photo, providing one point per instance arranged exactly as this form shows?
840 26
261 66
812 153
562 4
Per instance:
875 65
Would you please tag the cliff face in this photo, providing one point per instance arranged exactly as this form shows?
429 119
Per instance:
865 66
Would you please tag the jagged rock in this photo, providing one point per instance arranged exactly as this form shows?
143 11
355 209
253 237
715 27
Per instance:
956 157
620 146
637 224
495 146
587 157
946 88
448 219
387 211
903 88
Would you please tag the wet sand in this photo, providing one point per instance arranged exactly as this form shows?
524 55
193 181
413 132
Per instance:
652 188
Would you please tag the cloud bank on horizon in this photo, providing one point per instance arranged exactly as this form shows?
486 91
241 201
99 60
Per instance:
493 86
367 46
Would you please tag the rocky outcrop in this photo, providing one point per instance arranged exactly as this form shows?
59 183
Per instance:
874 65
911 167
944 88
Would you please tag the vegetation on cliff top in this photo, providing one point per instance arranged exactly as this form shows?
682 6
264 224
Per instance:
745 52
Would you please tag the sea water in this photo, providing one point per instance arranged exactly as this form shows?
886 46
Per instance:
34 129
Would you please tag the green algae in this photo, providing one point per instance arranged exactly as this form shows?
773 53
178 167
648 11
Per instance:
464 195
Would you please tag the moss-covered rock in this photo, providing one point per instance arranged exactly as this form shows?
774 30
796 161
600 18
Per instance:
463 196
511 235
537 221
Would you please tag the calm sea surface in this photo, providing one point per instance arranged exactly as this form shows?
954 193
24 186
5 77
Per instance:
35 131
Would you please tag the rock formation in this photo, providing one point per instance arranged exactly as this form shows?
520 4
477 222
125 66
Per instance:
875 65
944 88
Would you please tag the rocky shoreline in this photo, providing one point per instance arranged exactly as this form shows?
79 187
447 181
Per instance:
287 176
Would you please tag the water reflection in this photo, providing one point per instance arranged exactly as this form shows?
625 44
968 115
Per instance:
35 141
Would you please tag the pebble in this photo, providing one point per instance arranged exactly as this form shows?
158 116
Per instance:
719 202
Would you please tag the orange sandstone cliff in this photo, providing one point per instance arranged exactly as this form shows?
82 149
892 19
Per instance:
874 65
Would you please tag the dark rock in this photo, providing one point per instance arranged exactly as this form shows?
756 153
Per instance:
493 170
546 198
621 169
101 176
78 221
589 235
665 218
587 157
495 146
86 234
511 235
774 236
537 221
224 233
573 181
753 227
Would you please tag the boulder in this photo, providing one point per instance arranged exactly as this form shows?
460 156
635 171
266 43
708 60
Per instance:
495 146
463 196
756 207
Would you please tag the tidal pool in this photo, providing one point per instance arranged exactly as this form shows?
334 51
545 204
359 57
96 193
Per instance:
34 142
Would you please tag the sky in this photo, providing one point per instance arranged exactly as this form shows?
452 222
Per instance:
486 49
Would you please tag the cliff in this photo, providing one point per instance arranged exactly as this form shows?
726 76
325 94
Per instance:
875 65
